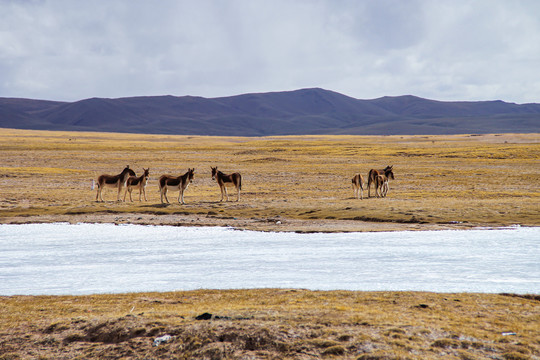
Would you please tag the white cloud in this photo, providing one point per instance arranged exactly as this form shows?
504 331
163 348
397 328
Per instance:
447 50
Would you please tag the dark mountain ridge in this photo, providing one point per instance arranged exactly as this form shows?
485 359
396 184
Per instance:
299 112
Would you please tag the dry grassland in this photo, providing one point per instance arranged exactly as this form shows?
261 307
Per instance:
271 324
300 183
289 184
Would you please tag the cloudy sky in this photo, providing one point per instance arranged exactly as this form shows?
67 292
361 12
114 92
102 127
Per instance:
438 49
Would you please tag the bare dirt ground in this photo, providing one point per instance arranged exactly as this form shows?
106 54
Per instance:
275 224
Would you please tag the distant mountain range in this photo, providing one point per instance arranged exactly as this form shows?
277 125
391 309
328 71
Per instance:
300 112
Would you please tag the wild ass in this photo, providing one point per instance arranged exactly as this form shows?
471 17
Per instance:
138 183
114 181
224 181
175 183
381 183
372 175
358 186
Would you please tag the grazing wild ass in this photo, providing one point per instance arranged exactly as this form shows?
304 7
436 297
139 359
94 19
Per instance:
234 179
175 183
372 177
138 183
381 182
358 185
114 181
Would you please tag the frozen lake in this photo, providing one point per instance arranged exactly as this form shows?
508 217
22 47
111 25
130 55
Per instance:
106 258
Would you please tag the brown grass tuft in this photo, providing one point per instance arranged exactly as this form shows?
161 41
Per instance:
270 324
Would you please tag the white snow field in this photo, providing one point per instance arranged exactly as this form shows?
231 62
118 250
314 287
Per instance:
54 259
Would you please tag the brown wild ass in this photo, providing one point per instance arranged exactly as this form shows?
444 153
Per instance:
358 185
372 177
234 179
138 183
381 183
114 181
175 183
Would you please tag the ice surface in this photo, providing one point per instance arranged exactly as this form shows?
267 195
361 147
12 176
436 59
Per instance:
106 258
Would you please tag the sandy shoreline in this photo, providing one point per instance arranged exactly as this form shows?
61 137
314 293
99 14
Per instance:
276 224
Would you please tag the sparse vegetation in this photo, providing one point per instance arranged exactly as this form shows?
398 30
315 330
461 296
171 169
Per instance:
456 181
270 324
289 184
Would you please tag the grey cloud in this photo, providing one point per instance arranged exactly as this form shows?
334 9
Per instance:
447 50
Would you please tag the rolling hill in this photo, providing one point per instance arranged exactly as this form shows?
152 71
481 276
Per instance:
299 112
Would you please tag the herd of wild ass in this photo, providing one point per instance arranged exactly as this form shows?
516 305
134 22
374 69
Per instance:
129 180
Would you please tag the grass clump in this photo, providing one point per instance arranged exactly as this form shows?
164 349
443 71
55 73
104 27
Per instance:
269 324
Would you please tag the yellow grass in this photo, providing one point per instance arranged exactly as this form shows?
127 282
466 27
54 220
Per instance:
297 183
440 180
271 324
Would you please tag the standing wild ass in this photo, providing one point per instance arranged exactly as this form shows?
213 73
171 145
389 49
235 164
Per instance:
138 183
114 181
372 177
234 179
175 183
381 182
358 185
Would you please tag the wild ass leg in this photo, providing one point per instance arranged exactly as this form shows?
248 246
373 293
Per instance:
223 190
128 189
100 190
183 190
181 196
372 179
143 190
119 191
238 193
164 194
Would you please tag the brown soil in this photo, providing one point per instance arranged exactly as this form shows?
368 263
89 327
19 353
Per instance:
277 224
